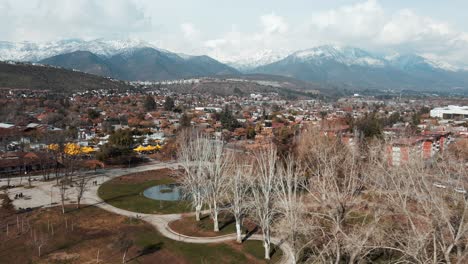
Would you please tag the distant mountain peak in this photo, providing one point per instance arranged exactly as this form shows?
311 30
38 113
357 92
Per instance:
341 54
356 68
251 60
405 61
140 63
29 51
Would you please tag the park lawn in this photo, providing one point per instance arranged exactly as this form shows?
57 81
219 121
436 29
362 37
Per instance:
128 195
80 234
204 228
255 248
229 252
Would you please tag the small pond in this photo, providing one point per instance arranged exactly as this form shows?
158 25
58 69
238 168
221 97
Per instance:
165 192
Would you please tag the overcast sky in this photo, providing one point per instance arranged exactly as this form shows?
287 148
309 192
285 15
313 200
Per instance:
227 29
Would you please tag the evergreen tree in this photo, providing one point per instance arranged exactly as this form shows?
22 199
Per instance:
370 126
185 120
121 138
149 103
169 104
228 121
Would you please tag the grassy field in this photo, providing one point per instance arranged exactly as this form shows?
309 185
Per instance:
255 248
79 235
204 228
126 192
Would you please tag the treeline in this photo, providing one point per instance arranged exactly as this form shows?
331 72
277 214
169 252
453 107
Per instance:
334 203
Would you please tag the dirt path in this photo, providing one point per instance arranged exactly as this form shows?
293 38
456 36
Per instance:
43 195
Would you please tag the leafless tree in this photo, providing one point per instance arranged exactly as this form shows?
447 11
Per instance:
217 178
63 192
360 205
194 154
289 203
449 214
44 165
262 188
205 163
240 173
81 186
9 176
344 224
124 243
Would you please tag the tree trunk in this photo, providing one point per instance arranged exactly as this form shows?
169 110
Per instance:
238 231
197 212
215 219
124 256
266 245
63 206
338 255
447 254
294 261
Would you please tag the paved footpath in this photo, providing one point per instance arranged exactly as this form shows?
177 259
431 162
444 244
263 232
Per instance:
43 195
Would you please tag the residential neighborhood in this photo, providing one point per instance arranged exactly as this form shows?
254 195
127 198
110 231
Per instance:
233 132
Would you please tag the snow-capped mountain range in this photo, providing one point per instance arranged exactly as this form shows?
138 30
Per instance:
345 55
34 52
354 56
326 65
353 67
251 60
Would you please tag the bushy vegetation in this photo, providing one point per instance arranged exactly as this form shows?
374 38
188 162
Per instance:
118 151
228 120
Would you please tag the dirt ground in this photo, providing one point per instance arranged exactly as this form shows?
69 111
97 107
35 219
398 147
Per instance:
90 233
76 237
146 176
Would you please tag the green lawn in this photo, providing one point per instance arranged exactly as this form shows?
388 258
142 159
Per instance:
189 226
205 253
129 196
227 224
196 253
255 248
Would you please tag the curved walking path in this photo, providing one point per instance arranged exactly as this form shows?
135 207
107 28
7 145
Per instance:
160 222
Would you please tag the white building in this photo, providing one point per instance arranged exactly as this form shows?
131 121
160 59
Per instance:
450 112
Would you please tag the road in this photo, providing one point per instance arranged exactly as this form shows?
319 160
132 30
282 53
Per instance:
44 194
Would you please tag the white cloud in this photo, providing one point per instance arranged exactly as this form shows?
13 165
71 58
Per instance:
52 19
237 45
355 21
273 24
189 31
367 24
406 26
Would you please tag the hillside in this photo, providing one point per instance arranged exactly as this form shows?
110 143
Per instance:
358 69
84 61
242 87
27 76
145 64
